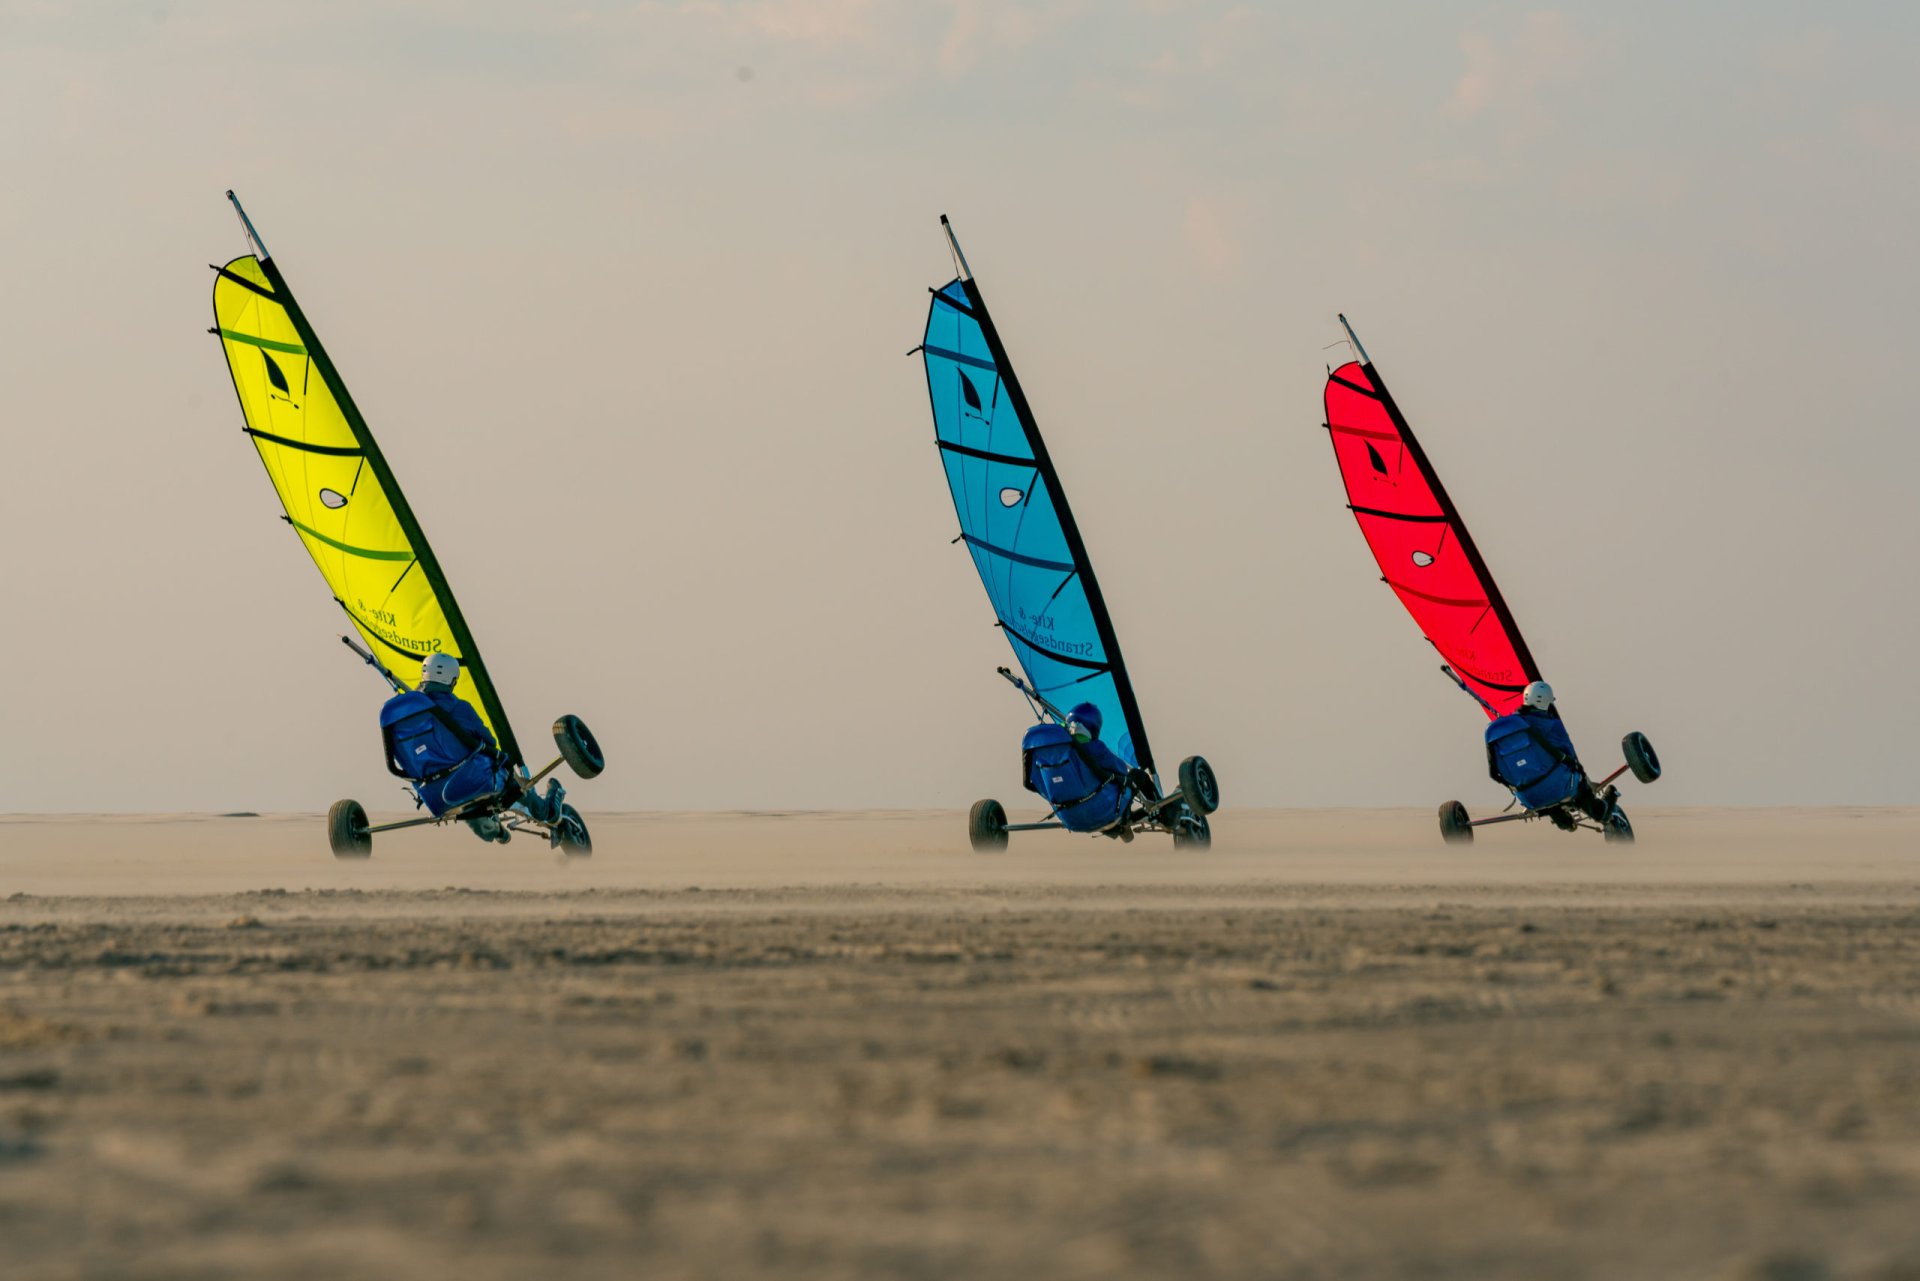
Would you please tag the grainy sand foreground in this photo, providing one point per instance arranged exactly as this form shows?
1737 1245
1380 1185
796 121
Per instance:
1331 1047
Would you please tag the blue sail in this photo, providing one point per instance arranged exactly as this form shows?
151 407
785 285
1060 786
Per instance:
1015 521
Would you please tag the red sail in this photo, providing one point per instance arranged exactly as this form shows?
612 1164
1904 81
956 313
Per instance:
1424 551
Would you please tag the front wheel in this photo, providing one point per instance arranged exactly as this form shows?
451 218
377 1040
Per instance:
1640 757
1198 784
1191 831
347 830
1616 828
987 827
578 747
570 834
1455 827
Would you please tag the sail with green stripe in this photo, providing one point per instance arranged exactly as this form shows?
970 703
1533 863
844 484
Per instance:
339 495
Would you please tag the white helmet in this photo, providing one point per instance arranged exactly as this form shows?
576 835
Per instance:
1538 696
440 669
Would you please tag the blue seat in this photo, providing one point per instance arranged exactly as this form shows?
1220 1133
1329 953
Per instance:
423 749
1081 799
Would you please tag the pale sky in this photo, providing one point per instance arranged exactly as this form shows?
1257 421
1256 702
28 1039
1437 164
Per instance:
625 292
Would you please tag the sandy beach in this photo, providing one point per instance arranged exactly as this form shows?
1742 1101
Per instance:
844 1045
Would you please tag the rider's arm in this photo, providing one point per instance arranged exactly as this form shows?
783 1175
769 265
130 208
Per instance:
1493 767
1553 736
1104 759
470 721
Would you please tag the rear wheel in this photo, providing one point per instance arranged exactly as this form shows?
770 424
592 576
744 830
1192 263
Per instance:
1455 827
574 840
347 830
1201 788
987 827
1191 831
1640 757
1616 828
578 747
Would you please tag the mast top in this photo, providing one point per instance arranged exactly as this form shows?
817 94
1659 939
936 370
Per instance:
246 224
1354 339
953 245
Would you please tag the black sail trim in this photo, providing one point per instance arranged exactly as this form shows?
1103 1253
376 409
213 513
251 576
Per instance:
955 303
244 283
470 658
1375 511
340 451
971 452
1069 529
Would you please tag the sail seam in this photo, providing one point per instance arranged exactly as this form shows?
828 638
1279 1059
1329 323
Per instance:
349 548
955 356
292 349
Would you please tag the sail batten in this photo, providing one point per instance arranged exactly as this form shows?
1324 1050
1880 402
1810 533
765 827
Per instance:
1015 520
335 487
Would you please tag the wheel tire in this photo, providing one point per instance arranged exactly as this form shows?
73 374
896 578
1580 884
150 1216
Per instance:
1640 757
575 840
987 827
1455 827
347 830
1192 831
1616 829
578 747
1198 784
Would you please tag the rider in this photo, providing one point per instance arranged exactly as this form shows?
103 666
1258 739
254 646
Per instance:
1083 722
437 740
1544 727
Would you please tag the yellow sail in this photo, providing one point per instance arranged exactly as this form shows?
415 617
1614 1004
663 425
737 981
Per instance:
339 494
